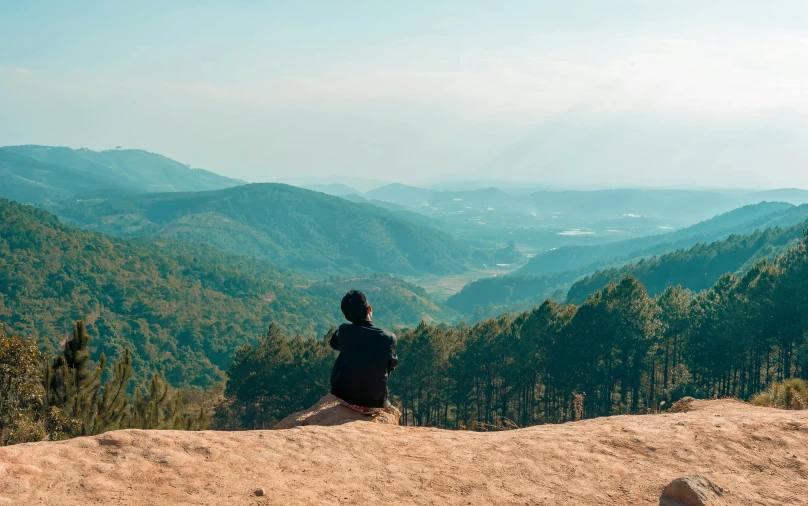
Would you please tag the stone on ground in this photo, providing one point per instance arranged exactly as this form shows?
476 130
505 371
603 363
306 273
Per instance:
328 411
692 490
683 405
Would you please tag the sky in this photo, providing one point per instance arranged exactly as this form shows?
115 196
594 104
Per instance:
578 93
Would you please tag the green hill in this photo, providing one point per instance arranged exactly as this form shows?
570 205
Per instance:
33 181
338 190
697 268
46 174
746 219
794 196
557 270
495 296
403 195
287 225
181 308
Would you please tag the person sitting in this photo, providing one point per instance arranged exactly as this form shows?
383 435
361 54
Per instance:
367 356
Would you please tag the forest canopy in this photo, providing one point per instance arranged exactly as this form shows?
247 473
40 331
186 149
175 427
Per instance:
620 351
182 309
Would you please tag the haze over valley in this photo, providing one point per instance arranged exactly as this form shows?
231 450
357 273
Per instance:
455 244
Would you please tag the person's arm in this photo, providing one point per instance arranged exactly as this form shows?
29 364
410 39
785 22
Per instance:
334 342
392 359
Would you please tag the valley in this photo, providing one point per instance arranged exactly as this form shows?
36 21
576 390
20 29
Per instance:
190 284
475 253
443 287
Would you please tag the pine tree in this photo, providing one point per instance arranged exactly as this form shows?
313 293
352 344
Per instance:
258 379
159 408
113 406
73 388
79 393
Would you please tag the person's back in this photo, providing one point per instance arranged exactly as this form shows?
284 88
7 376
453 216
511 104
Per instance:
366 359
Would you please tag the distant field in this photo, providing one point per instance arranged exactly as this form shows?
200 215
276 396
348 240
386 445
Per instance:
443 287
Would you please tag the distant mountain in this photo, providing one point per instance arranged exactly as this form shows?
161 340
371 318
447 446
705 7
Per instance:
791 195
686 206
743 220
697 268
181 308
353 198
403 195
287 225
411 196
556 270
361 185
75 171
541 220
362 199
32 181
338 190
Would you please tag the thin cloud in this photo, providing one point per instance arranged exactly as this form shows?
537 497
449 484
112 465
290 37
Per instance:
15 72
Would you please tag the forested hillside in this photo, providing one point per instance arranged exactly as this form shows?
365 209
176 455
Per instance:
621 351
494 296
287 225
557 270
32 181
696 268
127 168
743 220
186 310
338 190
182 309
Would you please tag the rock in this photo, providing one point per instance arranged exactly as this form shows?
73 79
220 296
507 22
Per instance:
328 411
683 405
259 492
109 441
692 490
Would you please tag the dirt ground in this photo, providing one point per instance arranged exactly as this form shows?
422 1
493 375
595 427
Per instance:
757 455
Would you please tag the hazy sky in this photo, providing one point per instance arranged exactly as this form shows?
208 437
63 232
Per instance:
701 92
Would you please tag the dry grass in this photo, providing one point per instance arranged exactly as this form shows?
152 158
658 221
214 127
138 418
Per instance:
443 287
788 394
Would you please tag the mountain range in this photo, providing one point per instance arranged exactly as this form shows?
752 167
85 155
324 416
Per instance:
287 225
553 273
681 206
181 308
39 174
697 268
333 229
743 220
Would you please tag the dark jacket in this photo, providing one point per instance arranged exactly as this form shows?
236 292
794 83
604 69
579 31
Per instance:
367 356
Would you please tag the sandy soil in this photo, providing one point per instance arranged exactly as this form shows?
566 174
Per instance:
758 455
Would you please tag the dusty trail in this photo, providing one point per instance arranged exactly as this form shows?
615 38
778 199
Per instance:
758 455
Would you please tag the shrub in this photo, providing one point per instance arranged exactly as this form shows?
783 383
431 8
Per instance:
789 394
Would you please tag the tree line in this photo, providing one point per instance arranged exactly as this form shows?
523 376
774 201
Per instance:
182 309
696 268
620 351
43 397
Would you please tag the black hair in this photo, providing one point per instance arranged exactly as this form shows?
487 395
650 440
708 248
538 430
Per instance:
355 306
